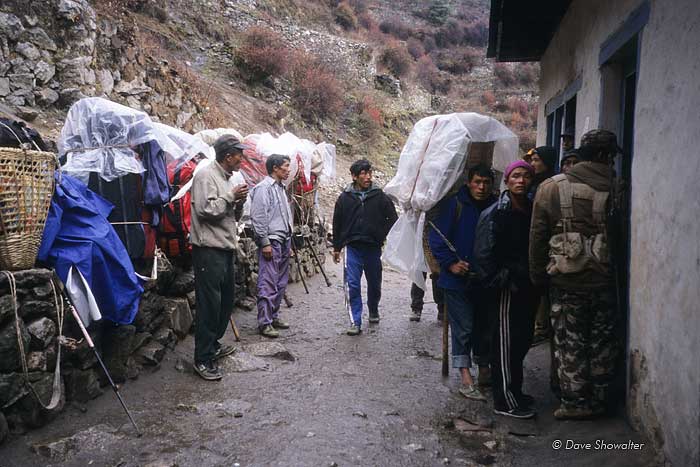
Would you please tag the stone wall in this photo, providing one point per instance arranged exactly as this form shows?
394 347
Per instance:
164 317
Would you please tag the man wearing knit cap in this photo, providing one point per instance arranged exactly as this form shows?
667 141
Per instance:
569 252
215 209
501 254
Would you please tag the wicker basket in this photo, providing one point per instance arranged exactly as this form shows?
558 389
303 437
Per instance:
26 188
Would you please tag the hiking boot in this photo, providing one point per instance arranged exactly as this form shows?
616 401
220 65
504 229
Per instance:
373 318
573 413
518 412
415 315
269 331
208 371
279 324
223 351
484 377
354 330
472 392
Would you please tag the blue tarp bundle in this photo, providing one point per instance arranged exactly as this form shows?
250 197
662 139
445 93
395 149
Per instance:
77 233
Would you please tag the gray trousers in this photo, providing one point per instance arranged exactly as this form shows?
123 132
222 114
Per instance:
214 289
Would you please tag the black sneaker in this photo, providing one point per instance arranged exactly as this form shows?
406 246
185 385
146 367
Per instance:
208 371
374 319
415 315
223 351
518 412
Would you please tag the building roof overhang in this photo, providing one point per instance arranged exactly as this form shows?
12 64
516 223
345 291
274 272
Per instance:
520 31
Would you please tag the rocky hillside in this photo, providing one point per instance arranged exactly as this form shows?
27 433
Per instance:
355 73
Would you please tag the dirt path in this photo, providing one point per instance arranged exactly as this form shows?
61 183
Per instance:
377 399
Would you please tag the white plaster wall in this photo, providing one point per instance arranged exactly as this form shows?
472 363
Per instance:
665 238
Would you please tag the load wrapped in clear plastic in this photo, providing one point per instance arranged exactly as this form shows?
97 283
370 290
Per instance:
98 135
432 162
263 145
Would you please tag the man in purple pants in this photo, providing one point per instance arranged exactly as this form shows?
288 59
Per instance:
272 223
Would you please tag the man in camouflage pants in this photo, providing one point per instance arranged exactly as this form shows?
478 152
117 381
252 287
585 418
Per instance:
568 251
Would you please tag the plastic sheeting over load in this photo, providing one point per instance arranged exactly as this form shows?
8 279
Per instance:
437 153
98 135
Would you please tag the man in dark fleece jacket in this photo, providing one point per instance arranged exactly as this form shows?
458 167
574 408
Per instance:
362 219
457 219
501 252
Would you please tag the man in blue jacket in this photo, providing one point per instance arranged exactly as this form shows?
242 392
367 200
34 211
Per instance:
362 219
457 220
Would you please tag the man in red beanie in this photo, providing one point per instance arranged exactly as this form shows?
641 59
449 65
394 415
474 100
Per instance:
501 254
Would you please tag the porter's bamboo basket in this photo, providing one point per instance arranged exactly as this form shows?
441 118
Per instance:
26 188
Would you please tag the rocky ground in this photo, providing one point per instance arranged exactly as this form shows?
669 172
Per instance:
318 397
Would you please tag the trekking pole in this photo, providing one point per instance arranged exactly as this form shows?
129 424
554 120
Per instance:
301 274
236 334
88 339
451 247
320 266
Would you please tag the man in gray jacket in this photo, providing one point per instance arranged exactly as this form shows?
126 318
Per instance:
272 223
215 210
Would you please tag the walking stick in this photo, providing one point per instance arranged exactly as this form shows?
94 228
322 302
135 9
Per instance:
445 342
88 339
301 274
236 334
320 266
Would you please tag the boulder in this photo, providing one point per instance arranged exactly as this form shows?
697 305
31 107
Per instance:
179 315
7 309
388 84
104 436
12 388
28 412
9 351
165 337
21 81
106 80
82 385
28 51
117 345
151 313
32 309
46 97
36 361
69 96
38 37
44 71
151 354
27 113
41 332
10 26
4 87
140 338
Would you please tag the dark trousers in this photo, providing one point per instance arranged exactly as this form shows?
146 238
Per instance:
485 314
214 290
418 294
512 337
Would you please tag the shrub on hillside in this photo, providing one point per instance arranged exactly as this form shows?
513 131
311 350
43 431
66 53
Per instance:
366 21
370 119
504 74
396 59
527 73
396 28
438 11
360 6
430 78
457 61
262 53
429 43
316 92
488 98
452 32
476 33
415 48
345 16
519 106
